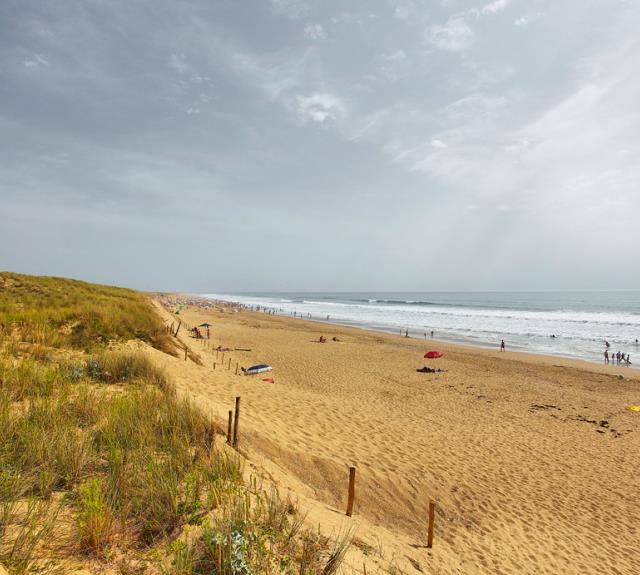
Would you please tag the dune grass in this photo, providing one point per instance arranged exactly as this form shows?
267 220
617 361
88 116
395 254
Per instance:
59 312
98 454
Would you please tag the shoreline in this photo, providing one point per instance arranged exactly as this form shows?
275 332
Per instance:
461 342
458 342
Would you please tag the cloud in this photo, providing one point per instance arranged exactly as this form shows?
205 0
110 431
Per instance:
36 61
518 146
320 108
275 77
393 64
524 21
177 63
404 9
293 9
314 31
495 6
251 115
454 36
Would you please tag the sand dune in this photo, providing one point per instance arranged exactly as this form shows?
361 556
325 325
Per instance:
532 461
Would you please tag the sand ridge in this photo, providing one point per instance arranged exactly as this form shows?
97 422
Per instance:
532 460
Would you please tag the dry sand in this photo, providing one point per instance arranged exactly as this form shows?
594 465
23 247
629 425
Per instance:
533 461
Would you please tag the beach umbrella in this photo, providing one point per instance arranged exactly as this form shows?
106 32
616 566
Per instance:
205 324
433 354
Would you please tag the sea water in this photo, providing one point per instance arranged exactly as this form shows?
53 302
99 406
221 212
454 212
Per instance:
565 323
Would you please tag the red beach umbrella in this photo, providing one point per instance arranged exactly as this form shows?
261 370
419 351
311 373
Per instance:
433 354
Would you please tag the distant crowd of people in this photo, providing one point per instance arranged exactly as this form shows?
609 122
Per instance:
617 358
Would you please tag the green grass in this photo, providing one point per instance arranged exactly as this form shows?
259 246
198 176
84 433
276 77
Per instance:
95 516
99 455
59 312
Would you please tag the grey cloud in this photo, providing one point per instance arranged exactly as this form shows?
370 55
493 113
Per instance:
321 145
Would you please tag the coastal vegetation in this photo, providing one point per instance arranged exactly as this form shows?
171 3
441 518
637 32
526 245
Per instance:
103 464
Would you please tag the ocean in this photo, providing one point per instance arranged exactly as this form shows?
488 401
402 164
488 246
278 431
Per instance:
581 321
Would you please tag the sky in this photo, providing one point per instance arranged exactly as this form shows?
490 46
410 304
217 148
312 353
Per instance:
308 145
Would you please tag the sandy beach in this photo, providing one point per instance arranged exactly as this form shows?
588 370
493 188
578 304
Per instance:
531 460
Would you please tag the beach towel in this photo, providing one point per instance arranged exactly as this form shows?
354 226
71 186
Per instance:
635 408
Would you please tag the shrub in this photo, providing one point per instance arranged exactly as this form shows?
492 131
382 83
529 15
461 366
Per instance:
122 366
95 518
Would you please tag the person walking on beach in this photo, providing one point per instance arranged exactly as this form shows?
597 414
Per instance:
502 346
606 357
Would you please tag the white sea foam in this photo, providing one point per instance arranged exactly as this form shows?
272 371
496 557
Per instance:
525 321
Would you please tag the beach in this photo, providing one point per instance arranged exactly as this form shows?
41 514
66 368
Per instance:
531 460
574 324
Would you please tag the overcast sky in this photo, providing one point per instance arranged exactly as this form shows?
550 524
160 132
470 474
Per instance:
221 145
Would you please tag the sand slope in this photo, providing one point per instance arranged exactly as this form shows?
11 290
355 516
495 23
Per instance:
532 461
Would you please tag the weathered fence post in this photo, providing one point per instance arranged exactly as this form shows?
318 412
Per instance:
432 515
236 423
229 427
352 490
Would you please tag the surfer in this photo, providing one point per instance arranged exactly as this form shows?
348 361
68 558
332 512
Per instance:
502 346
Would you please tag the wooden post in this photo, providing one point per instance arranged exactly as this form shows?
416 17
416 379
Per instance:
229 366
185 353
236 368
432 514
235 423
352 490
229 427
214 365
177 329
